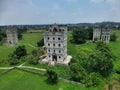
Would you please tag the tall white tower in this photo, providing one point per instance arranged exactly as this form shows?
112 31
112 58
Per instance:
55 41
12 37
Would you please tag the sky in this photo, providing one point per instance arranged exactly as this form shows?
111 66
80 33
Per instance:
58 11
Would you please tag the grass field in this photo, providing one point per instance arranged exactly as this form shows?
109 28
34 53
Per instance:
19 80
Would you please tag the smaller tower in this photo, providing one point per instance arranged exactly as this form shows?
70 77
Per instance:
102 34
105 35
12 37
96 33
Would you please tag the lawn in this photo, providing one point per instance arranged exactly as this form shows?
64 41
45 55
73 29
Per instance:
20 80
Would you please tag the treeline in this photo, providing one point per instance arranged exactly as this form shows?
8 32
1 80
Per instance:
2 36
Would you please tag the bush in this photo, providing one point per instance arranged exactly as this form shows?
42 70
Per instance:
113 37
40 43
118 71
52 76
32 60
94 79
13 60
20 52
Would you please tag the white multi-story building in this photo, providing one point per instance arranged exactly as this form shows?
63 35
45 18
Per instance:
102 34
12 37
55 41
105 35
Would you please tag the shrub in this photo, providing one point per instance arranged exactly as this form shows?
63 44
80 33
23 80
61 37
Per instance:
118 71
20 52
52 76
40 43
13 60
32 60
113 37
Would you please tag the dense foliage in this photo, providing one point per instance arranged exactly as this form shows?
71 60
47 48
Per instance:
2 36
13 60
90 69
80 35
52 76
40 43
113 37
20 52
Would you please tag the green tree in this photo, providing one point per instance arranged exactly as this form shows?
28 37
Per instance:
0 38
13 60
78 72
20 51
52 76
102 60
40 43
90 33
79 36
113 37
93 79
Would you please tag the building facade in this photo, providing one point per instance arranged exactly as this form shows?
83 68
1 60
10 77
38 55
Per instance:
12 37
101 34
55 41
105 35
96 33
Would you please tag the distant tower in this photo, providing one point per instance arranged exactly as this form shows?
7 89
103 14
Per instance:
96 33
12 37
55 41
102 34
105 35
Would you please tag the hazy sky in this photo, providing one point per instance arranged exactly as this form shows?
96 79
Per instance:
59 11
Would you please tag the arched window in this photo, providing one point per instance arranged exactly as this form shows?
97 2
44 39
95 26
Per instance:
53 44
55 30
48 38
59 45
49 50
54 51
59 51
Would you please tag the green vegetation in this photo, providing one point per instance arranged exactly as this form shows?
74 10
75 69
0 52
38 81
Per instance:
80 53
2 37
40 43
19 80
80 35
113 37
52 76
